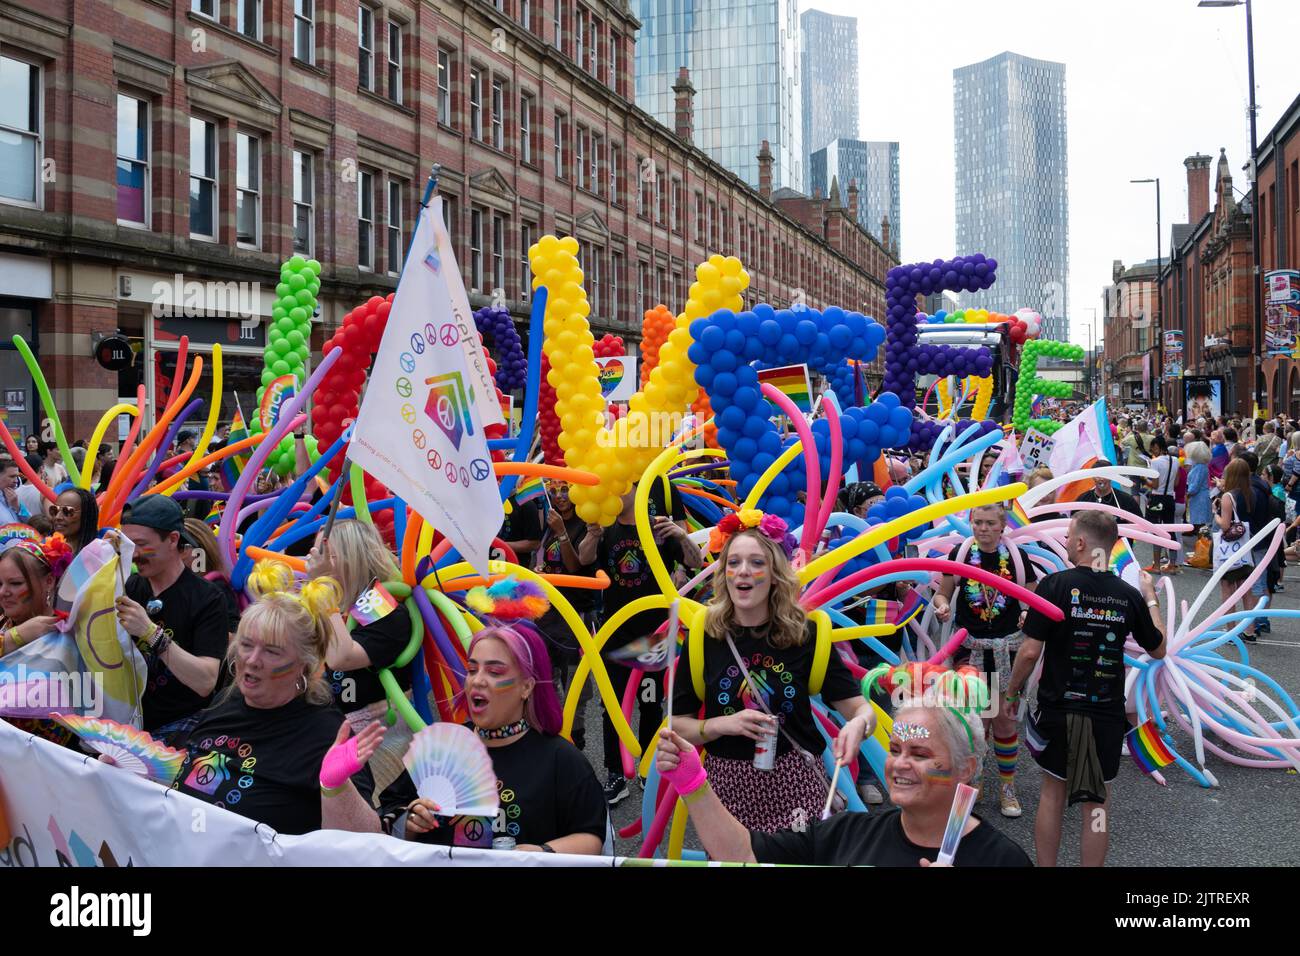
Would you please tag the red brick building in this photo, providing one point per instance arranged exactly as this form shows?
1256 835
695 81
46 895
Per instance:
1129 369
170 154
1278 162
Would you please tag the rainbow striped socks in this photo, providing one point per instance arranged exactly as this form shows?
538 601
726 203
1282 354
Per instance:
1005 750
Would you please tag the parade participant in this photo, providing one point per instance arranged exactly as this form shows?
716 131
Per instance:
179 619
51 471
1160 504
1076 734
205 560
1035 478
75 515
551 800
1198 485
11 510
1269 447
1103 490
931 751
992 620
1222 439
617 551
32 447
1136 445
758 663
521 530
1240 502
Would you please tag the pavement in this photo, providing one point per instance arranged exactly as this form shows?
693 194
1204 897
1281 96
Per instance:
1250 819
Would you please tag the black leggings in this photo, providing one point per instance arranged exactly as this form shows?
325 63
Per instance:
652 711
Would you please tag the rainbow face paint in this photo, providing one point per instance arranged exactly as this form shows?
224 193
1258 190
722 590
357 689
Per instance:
905 732
283 671
504 683
938 774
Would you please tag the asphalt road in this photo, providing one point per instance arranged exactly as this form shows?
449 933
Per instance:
1249 820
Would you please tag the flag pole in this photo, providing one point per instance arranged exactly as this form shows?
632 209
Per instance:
430 187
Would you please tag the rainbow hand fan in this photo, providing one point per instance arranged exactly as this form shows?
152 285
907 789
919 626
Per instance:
129 748
451 767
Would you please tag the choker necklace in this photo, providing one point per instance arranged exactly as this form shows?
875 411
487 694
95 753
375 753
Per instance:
501 733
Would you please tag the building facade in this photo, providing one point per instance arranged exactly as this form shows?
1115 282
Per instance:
1130 373
1012 184
1278 162
829 82
170 156
873 167
743 58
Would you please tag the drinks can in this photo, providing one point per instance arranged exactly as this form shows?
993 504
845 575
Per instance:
765 751
503 843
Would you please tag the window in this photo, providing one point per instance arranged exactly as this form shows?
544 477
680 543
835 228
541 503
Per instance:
394 61
476 249
444 87
643 196
614 41
498 114
660 280
365 220
643 285
365 48
561 133
394 227
304 30
207 8
713 224
679 291
449 218
558 26
591 272
676 218
580 35
526 14
597 147
580 153
132 160
498 253
476 104
20 133
203 178
615 173
304 196
250 18
526 128
699 216
593 47
526 230
248 189
615 274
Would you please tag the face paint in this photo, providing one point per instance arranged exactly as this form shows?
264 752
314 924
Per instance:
905 732
938 774
284 670
503 684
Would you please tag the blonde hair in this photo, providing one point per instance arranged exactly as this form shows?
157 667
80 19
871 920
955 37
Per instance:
199 532
789 622
289 616
1041 472
360 556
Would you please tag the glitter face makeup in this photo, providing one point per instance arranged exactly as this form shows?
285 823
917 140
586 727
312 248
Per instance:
905 732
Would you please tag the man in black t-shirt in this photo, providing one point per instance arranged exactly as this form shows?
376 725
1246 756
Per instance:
522 531
177 616
1103 490
1077 732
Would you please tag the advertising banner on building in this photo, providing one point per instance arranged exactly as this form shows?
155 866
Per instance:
1282 312
1203 396
1174 353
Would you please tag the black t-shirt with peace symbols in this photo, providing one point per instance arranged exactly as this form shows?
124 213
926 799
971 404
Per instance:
383 641
782 676
1083 656
547 789
621 556
982 609
264 764
552 562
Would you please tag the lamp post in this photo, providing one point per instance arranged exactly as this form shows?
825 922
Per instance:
1160 295
1255 300
1092 357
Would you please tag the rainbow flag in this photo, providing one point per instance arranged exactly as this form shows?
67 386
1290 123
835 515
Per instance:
792 381
233 465
910 608
1148 748
374 604
1121 556
529 489
1017 517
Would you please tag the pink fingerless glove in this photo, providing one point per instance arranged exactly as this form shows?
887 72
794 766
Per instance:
689 775
340 763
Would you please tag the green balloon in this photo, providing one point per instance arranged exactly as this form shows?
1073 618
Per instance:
303 351
260 392
296 282
313 447
267 378
314 266
284 467
297 263
306 299
288 303
282 289
281 346
278 313
280 367
299 314
295 338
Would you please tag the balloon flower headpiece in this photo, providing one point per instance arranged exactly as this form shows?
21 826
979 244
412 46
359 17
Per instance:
770 526
509 600
962 691
54 552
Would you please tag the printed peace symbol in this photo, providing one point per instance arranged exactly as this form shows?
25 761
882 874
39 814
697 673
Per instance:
408 413
464 477
478 469
446 412
434 459
451 472
417 436
507 796
404 387
474 829
430 333
450 335
407 361
417 344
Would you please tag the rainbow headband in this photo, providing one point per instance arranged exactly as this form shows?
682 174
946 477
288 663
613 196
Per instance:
770 526
54 552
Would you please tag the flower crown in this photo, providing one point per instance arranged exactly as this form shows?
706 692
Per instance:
54 552
510 599
771 526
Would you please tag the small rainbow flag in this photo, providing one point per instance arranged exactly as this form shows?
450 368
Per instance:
375 603
1121 556
1147 748
529 489
791 380
1017 517
910 608
233 465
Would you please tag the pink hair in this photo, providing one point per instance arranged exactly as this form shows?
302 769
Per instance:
529 651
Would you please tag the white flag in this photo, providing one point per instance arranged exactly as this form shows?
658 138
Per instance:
418 431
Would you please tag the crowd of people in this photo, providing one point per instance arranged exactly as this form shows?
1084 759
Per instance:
283 671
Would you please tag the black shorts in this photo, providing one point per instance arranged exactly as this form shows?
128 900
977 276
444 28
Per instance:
1046 739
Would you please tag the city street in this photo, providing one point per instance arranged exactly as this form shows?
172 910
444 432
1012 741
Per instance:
1183 824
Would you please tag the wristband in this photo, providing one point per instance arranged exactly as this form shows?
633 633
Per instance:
1154 604
339 764
690 798
330 791
13 636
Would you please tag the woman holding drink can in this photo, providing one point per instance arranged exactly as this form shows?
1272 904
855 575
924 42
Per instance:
755 720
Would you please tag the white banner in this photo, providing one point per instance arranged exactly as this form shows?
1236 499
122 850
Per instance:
617 377
59 808
419 431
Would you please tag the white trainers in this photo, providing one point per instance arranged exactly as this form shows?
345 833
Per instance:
1010 802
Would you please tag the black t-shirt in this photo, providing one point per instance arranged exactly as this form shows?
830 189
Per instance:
263 764
657 506
229 598
877 839
1083 665
383 641
783 677
548 790
621 556
552 561
195 616
1115 498
524 523
981 608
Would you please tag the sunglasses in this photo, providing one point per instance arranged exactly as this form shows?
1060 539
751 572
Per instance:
66 510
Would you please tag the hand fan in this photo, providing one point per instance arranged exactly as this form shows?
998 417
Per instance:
451 767
130 749
647 654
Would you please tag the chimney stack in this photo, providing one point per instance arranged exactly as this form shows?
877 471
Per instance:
685 107
1198 187
884 232
853 200
765 170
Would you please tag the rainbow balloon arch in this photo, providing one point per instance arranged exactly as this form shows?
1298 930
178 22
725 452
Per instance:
725 456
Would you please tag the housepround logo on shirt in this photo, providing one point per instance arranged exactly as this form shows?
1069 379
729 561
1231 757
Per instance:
77 909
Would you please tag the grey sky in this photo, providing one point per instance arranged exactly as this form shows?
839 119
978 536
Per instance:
1148 82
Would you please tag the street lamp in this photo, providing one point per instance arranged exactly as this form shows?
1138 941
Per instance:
1092 356
1160 294
1254 194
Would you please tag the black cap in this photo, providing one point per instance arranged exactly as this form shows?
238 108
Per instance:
155 511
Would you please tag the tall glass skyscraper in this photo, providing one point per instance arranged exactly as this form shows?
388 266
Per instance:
875 166
743 56
1012 184
829 65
